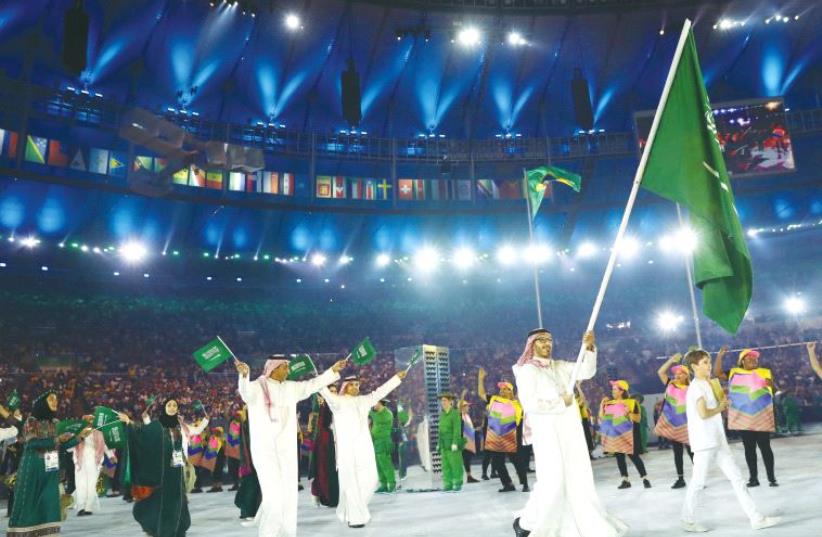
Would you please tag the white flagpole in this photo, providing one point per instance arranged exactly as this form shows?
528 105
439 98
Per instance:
531 244
640 171
688 261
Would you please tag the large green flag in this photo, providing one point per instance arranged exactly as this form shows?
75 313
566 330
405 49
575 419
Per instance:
108 422
538 179
212 354
685 165
300 366
363 353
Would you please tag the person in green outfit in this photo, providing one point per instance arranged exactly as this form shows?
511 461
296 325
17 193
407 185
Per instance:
36 509
450 444
382 422
157 463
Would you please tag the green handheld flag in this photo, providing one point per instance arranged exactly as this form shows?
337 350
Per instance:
537 180
70 426
363 353
198 406
13 400
212 354
414 359
300 366
108 422
150 400
685 165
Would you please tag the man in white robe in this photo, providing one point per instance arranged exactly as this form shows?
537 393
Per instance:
272 416
88 459
564 502
356 463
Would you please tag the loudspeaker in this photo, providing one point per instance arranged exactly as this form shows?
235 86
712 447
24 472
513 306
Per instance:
582 101
352 111
75 38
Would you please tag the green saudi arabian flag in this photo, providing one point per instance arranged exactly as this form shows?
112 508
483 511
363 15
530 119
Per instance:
538 179
685 165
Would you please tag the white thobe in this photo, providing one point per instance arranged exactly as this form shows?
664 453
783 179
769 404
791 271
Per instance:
8 433
87 471
356 464
274 447
564 501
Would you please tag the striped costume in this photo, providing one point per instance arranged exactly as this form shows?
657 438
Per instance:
503 417
616 427
751 400
673 423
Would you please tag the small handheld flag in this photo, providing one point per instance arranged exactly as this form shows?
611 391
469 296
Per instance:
414 359
300 366
70 426
363 353
13 400
213 354
107 421
198 406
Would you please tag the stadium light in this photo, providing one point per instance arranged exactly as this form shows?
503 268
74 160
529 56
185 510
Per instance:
506 255
586 250
426 259
538 254
30 242
469 36
292 22
795 305
515 39
318 259
464 258
383 260
668 321
344 260
629 247
683 241
133 252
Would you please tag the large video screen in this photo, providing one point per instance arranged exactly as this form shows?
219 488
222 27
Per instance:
753 135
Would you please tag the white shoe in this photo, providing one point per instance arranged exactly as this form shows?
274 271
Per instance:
766 522
247 522
693 527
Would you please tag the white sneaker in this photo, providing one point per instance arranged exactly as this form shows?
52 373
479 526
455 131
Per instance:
693 527
766 522
247 522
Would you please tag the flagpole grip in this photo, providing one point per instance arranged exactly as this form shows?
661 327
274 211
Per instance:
640 171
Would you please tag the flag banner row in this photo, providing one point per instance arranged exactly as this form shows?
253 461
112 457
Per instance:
382 189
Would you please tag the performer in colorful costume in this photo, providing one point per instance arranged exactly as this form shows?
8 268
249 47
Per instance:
751 393
673 420
355 451
469 438
503 436
272 415
450 444
618 419
564 502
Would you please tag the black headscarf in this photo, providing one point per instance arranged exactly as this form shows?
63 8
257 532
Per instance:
167 421
40 409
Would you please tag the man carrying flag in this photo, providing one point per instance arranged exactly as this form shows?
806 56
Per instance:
272 415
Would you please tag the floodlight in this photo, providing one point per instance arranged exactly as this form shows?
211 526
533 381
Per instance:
507 255
668 321
515 39
344 260
538 254
383 260
30 242
469 36
795 305
133 252
318 259
629 247
586 250
292 22
464 258
427 259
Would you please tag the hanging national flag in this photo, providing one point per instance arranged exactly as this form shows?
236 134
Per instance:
11 150
510 189
160 164
685 165
236 181
363 353
487 189
198 177
214 180
212 354
538 179
142 163
356 188
117 164
405 189
300 366
36 149
58 154
98 161
79 161
181 176
383 190
288 184
323 186
370 189
252 182
419 189
2 142
339 187
271 182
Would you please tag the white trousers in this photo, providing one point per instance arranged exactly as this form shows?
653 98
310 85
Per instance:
703 460
85 483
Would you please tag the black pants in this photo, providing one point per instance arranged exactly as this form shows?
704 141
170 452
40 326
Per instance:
623 467
486 462
234 471
219 466
466 461
589 439
752 439
498 464
678 458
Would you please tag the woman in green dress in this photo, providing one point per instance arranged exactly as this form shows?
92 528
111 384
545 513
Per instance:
157 464
36 509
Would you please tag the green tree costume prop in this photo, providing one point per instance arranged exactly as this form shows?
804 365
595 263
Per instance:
382 421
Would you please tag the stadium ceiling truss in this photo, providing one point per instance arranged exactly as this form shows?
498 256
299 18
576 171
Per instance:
538 7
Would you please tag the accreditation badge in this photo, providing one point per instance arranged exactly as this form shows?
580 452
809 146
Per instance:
51 460
177 459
